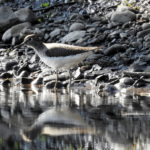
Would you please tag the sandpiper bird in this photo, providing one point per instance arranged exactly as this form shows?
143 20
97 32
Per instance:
56 55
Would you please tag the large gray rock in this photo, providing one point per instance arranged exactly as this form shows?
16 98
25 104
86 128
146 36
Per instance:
73 36
7 18
76 26
25 15
15 31
123 17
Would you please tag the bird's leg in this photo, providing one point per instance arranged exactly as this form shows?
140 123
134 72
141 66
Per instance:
55 87
70 77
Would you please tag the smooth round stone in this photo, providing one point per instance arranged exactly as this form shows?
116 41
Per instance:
127 81
14 31
7 18
145 26
25 14
121 17
76 26
73 36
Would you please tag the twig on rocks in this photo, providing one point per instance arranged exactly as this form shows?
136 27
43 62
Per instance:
137 74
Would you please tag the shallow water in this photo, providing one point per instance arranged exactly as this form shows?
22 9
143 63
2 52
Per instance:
34 118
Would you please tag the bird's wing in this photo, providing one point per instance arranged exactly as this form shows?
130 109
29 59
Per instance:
58 52
67 50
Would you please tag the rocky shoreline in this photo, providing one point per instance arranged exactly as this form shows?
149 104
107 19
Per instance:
121 29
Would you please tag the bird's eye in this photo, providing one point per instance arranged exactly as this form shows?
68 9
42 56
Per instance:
30 39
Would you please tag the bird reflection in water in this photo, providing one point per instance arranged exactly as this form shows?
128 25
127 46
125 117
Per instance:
58 120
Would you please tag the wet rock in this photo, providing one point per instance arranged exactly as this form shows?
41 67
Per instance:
102 78
73 36
51 85
109 88
37 81
116 48
10 65
143 33
76 27
15 31
6 83
6 75
7 18
25 15
140 83
56 32
123 17
26 80
24 67
127 81
24 74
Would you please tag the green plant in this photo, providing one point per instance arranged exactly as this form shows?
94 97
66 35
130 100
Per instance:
131 5
1 141
45 4
17 146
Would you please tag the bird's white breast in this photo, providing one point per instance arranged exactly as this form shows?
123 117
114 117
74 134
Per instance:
64 62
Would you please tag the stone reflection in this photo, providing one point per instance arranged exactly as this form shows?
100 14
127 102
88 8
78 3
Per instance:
42 119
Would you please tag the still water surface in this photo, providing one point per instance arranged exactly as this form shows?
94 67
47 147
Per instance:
39 119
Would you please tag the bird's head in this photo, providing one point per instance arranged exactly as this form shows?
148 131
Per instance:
30 40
